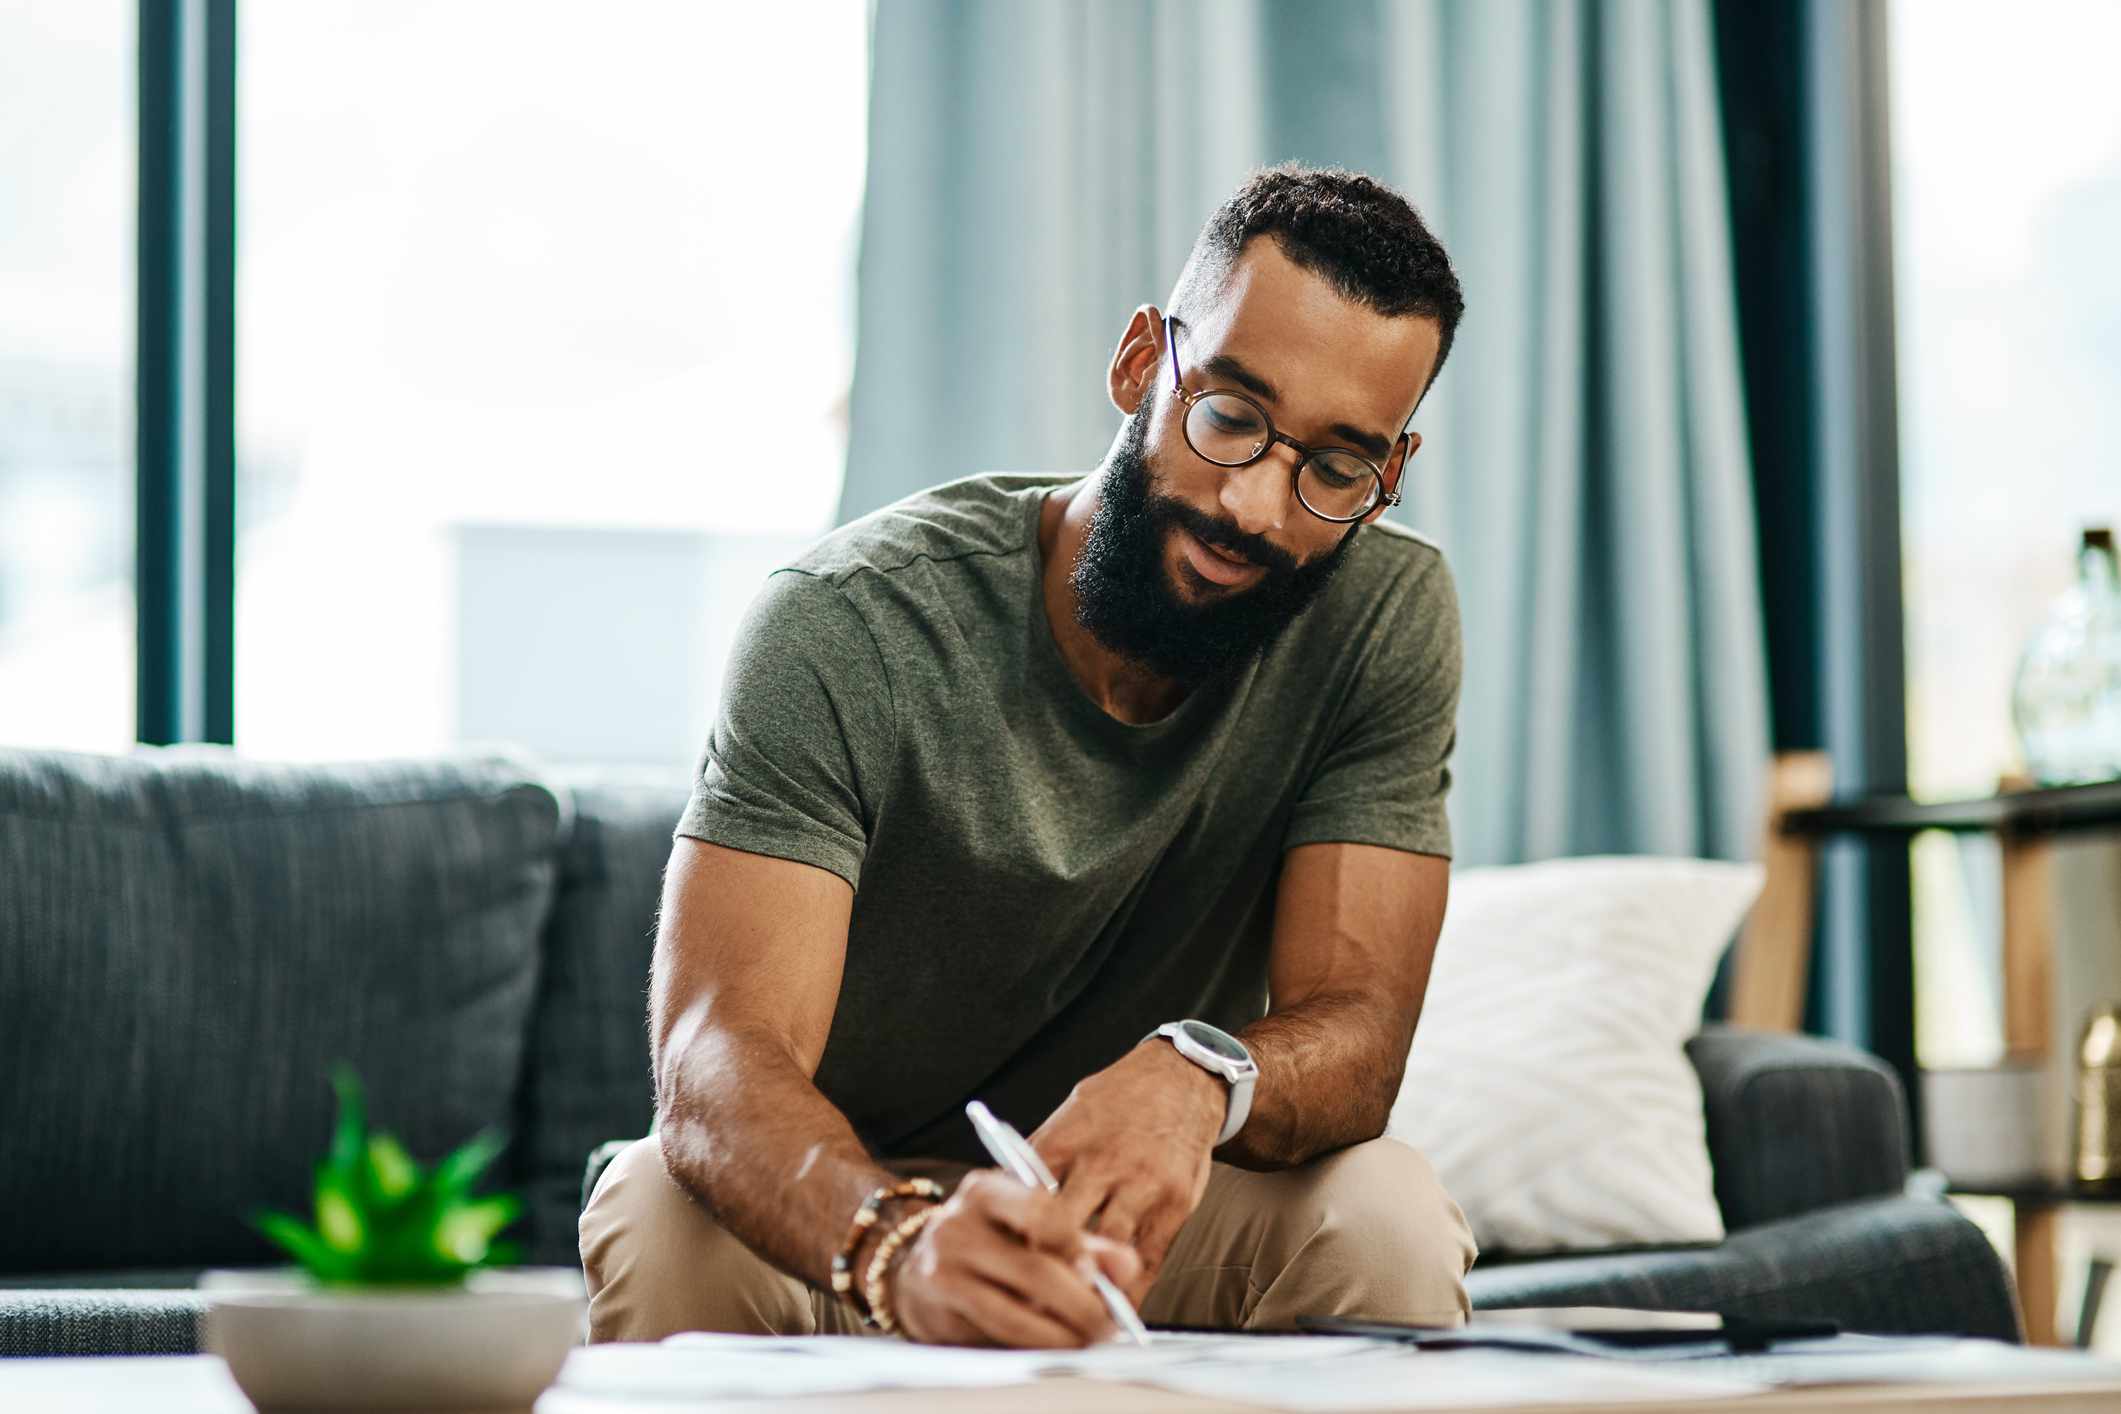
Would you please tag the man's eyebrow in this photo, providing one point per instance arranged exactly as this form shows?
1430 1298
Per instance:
1377 447
1229 366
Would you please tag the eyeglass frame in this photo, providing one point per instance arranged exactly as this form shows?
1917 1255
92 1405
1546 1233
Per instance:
1387 496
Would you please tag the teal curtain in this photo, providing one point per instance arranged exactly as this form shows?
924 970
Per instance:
1037 171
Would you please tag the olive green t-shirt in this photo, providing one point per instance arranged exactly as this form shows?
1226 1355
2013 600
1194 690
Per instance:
1037 883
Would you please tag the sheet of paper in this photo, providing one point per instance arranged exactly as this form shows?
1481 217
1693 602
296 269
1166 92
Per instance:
1168 1351
1297 1373
1869 1359
699 1364
741 1369
1280 1372
897 1363
1460 1379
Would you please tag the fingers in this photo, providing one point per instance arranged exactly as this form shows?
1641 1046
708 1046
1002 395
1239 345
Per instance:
994 1267
1052 1143
1125 1207
1145 1208
1082 1193
1124 1267
1133 1216
1154 1235
1041 1280
1039 1219
1116 1260
1002 1318
1122 1223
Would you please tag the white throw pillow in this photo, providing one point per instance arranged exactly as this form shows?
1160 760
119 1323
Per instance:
1548 1082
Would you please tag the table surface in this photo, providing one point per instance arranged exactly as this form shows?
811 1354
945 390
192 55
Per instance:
200 1384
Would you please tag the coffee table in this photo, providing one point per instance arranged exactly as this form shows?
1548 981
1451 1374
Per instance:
200 1384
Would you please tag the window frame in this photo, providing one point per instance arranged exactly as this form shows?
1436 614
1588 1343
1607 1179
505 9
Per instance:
184 371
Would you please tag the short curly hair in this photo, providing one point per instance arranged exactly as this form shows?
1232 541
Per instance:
1352 229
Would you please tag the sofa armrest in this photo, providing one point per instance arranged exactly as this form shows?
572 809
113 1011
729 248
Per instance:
1899 1266
1797 1123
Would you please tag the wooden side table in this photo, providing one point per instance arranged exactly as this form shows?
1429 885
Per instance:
1774 958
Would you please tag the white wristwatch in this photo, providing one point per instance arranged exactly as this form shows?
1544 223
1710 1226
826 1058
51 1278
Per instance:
1219 1053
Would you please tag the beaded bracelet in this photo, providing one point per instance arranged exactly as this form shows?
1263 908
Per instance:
887 1252
864 1219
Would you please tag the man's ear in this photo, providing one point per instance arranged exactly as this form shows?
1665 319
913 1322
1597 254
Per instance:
1396 472
1136 361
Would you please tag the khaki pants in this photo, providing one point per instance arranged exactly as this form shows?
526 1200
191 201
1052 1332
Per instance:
1366 1231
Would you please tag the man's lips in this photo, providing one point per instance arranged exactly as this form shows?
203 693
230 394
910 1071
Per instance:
1213 564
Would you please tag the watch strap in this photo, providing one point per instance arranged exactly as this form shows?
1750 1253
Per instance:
1237 1089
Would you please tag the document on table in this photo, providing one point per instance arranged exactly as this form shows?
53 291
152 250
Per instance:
702 1365
1405 1378
1940 1359
1281 1372
727 1366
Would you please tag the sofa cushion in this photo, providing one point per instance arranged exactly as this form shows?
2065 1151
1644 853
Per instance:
1889 1265
588 1077
100 1321
189 941
1548 1082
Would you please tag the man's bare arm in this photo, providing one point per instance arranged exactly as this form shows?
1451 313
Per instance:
1355 930
748 958
748 961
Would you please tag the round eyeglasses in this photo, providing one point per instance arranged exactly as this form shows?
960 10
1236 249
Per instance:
1229 429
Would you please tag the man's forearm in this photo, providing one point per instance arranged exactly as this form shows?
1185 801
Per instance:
745 1130
1329 1071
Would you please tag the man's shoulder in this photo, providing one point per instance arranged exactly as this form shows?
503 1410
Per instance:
1393 595
988 514
1392 559
1389 537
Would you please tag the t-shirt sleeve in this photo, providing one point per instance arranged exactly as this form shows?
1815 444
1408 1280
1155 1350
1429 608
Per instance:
799 753
1387 768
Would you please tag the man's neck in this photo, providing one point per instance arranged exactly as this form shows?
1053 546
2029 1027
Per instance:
1123 688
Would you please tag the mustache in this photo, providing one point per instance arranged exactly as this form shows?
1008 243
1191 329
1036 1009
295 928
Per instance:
1256 549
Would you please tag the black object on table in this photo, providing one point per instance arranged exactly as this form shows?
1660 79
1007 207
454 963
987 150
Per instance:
1739 1335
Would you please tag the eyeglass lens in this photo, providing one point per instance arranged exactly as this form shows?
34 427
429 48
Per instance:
1230 431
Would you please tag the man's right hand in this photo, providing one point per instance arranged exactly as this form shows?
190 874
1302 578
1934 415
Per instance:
1002 1264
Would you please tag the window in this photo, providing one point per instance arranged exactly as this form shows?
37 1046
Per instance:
67 194
2007 182
545 328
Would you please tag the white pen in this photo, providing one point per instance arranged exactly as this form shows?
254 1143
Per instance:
1015 1154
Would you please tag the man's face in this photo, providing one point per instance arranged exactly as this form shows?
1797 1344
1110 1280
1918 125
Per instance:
1191 568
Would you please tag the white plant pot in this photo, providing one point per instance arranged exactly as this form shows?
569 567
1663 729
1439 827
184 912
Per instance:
495 1342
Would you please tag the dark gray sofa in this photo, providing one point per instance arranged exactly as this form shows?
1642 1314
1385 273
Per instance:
188 941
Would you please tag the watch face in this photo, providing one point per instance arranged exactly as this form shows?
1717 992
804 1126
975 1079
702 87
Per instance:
1214 1041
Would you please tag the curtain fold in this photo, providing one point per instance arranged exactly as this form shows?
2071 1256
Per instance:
1036 172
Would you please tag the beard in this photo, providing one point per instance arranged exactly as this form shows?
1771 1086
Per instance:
1127 601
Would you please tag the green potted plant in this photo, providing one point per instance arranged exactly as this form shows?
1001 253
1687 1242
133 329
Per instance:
401 1294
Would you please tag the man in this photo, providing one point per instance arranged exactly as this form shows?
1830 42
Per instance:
1016 771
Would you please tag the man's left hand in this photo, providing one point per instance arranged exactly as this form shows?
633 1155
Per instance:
1131 1148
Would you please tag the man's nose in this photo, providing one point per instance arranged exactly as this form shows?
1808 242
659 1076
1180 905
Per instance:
1256 497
